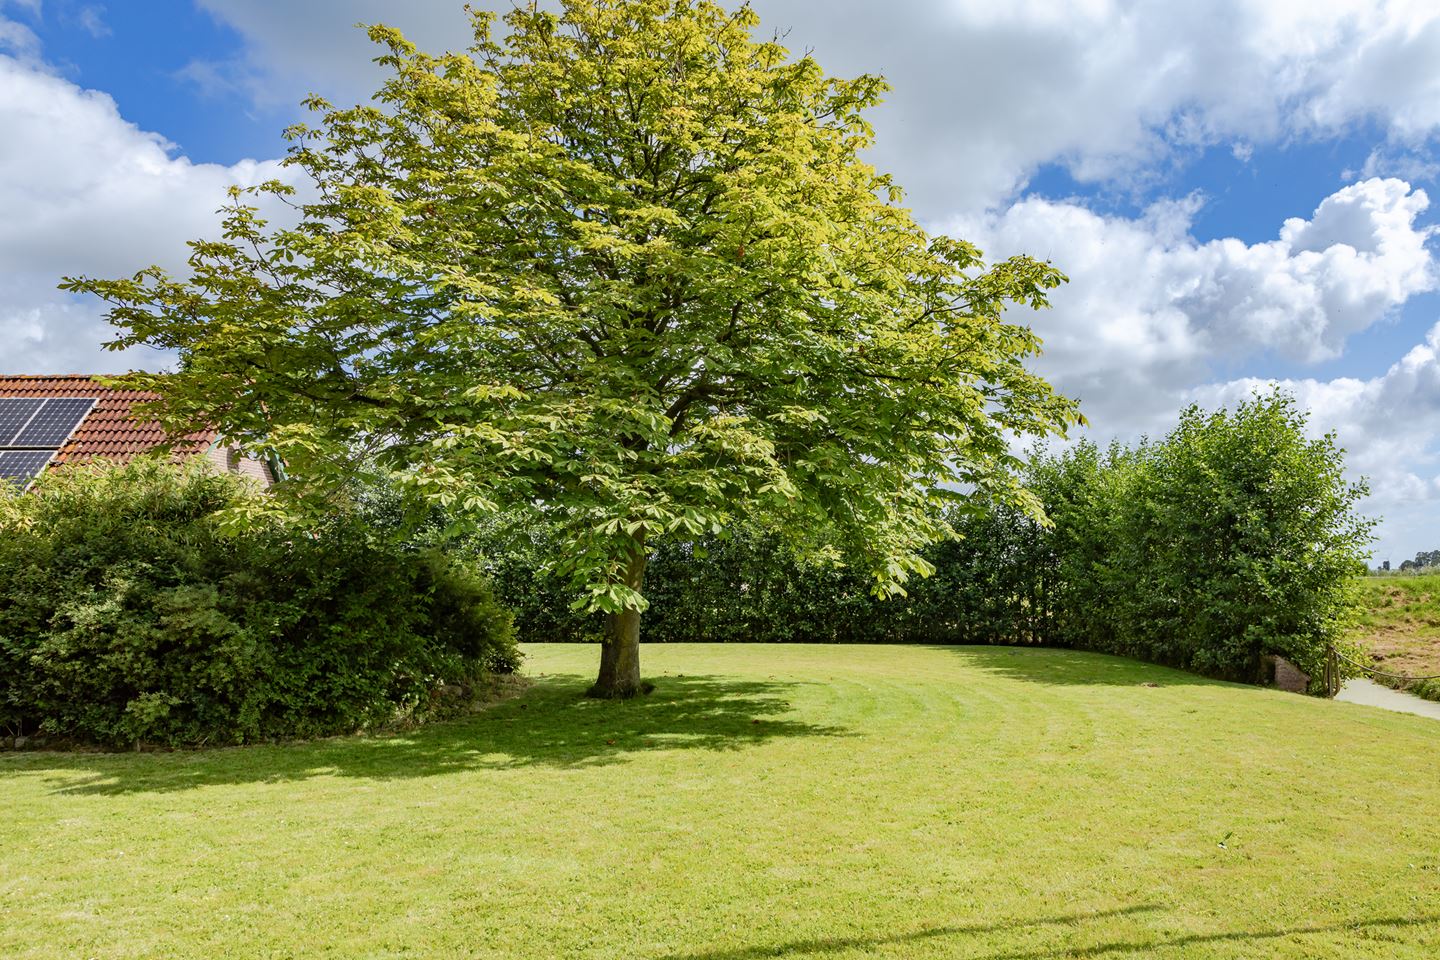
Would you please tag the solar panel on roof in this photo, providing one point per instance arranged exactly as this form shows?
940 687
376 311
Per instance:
32 431
14 414
19 467
54 423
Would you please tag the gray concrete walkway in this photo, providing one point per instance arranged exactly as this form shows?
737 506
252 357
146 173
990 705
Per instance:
1373 694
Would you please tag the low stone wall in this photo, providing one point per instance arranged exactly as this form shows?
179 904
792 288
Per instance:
1284 675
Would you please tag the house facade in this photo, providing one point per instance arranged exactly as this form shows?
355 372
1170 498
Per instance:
46 421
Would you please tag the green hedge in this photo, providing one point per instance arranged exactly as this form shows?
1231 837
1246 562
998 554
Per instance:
1234 536
127 615
748 587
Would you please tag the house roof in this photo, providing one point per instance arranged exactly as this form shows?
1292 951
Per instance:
111 430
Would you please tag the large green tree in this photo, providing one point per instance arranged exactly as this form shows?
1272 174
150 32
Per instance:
625 266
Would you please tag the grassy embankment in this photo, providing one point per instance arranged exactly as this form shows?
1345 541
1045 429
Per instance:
1400 626
775 801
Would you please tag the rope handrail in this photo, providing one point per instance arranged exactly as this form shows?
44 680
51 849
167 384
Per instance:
1382 673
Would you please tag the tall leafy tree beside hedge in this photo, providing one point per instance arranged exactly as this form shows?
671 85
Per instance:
1260 539
1234 536
625 266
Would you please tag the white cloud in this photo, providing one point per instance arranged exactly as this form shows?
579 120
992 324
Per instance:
985 92
18 40
1385 63
1149 311
1406 163
294 48
85 192
91 19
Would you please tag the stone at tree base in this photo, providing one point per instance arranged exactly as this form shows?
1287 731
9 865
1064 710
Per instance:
1284 675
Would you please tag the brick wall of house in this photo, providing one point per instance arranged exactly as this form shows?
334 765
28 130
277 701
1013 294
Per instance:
230 460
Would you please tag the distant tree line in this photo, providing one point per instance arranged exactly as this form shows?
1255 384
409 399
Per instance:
1424 560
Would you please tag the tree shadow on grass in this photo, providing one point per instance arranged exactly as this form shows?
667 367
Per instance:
1057 665
552 724
820 946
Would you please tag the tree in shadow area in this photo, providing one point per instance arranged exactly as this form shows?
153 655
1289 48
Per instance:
1058 665
552 725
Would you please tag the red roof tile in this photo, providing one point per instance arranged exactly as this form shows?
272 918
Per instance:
110 430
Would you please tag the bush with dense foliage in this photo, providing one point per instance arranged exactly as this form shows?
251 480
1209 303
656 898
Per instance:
1233 537
129 614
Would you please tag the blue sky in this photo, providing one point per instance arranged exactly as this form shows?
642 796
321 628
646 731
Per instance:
1239 191
139 55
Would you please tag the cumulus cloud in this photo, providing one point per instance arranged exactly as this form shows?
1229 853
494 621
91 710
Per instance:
294 48
1150 311
1116 90
985 92
86 192
1392 160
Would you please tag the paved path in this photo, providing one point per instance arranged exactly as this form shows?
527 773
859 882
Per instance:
1373 694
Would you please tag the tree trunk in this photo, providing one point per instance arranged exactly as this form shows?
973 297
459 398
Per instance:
620 650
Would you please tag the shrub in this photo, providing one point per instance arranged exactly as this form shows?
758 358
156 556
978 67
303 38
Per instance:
1234 537
128 614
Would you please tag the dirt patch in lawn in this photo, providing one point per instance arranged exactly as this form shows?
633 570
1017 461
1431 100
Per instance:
1400 628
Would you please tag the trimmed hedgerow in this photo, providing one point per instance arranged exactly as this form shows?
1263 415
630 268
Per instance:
127 614
1233 537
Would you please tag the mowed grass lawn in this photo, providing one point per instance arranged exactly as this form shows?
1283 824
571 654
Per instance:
765 801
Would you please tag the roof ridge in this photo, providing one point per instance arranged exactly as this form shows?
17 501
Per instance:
60 376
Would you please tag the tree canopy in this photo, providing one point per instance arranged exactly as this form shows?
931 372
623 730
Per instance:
626 265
